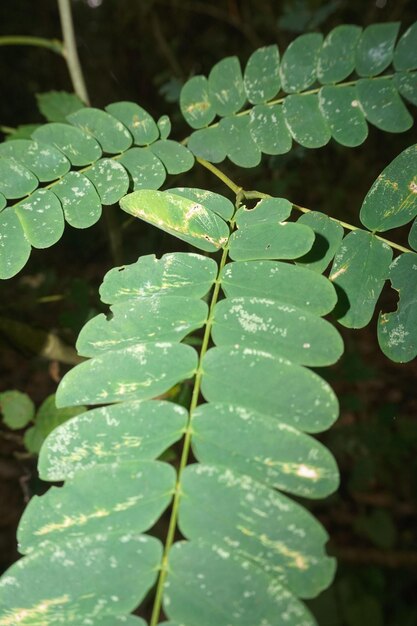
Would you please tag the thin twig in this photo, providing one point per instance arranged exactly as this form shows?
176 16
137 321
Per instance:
40 42
70 51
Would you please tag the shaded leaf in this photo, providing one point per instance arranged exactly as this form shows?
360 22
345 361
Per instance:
341 109
80 200
174 156
17 409
141 125
359 270
405 51
397 331
269 130
383 106
392 199
329 234
261 79
376 48
144 167
208 143
226 90
164 126
305 120
79 147
42 218
336 59
14 247
111 134
406 83
239 144
195 102
299 62
56 105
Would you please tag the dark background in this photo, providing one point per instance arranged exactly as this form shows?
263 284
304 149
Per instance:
143 50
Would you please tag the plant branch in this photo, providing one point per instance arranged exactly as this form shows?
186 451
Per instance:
40 42
70 50
188 433
215 170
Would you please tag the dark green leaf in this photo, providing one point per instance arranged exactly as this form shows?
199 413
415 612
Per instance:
392 199
195 103
341 109
111 134
406 83
176 158
208 144
359 270
226 90
337 56
383 106
80 200
164 126
305 121
56 105
262 80
299 62
269 130
79 147
237 139
138 121
14 247
258 380
405 51
42 218
290 284
46 162
329 235
144 167
110 179
16 180
412 236
178 273
397 331
274 326
376 48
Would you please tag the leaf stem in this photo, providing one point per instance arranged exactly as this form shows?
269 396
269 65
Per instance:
215 170
40 42
189 432
70 50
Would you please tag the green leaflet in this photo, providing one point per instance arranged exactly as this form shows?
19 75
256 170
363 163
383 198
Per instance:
226 89
16 181
143 319
268 129
174 156
14 247
406 84
262 80
376 48
78 146
299 62
295 285
337 56
259 380
199 572
3 201
258 524
144 167
187 219
46 162
127 433
120 375
80 200
392 199
341 109
329 235
305 120
212 201
56 105
42 218
141 125
412 235
271 326
397 331
164 126
208 143
79 565
264 448
383 106
177 274
238 141
110 180
404 55
195 103
111 134
96 508
359 271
